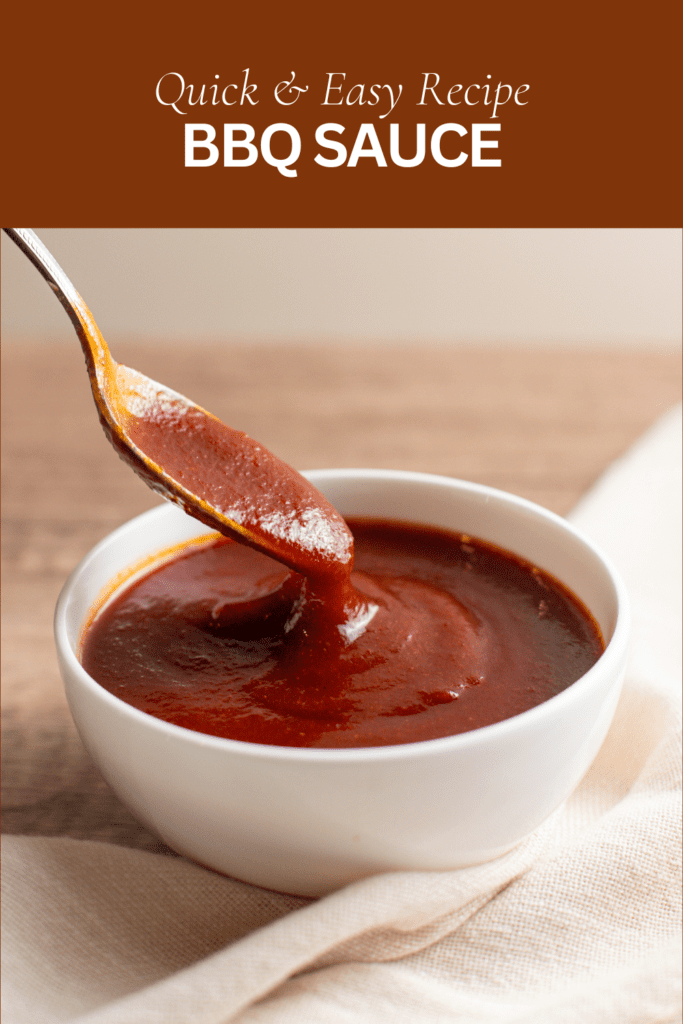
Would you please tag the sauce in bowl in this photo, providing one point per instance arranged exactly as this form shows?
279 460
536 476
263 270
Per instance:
297 629
446 634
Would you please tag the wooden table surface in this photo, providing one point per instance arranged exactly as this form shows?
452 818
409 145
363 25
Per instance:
542 423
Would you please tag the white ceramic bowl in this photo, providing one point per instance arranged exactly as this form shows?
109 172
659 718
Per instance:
307 821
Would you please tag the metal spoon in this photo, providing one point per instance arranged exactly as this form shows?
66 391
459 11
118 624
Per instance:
218 475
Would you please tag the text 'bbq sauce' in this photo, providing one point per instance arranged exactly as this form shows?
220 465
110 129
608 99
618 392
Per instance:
435 633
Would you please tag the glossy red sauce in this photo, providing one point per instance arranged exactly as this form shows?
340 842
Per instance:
436 633
238 486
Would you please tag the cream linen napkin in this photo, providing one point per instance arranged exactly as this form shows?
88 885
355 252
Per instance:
578 924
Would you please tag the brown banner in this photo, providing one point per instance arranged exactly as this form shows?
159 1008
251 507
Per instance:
504 115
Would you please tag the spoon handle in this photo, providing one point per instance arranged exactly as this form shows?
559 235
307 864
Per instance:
97 354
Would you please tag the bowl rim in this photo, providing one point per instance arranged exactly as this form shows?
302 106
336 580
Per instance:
609 660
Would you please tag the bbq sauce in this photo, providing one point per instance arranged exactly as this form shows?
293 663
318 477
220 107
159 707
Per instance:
433 633
236 485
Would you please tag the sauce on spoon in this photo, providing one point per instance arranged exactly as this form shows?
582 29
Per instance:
219 475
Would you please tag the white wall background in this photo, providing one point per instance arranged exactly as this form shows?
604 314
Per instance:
566 286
